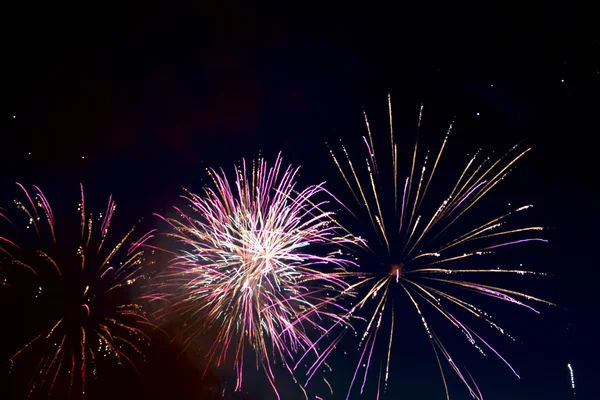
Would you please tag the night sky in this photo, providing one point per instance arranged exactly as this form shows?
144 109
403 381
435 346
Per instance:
138 99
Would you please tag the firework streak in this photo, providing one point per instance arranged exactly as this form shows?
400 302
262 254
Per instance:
77 288
259 263
417 260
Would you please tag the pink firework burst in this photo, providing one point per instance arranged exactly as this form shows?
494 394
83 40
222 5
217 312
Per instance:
259 262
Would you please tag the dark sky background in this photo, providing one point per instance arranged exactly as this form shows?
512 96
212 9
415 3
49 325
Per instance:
138 99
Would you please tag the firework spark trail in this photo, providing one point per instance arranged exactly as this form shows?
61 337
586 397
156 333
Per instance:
572 377
72 334
412 245
260 262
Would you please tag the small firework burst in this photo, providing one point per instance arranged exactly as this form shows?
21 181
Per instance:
71 283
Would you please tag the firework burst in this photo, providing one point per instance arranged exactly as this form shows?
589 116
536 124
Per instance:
259 263
73 281
425 255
